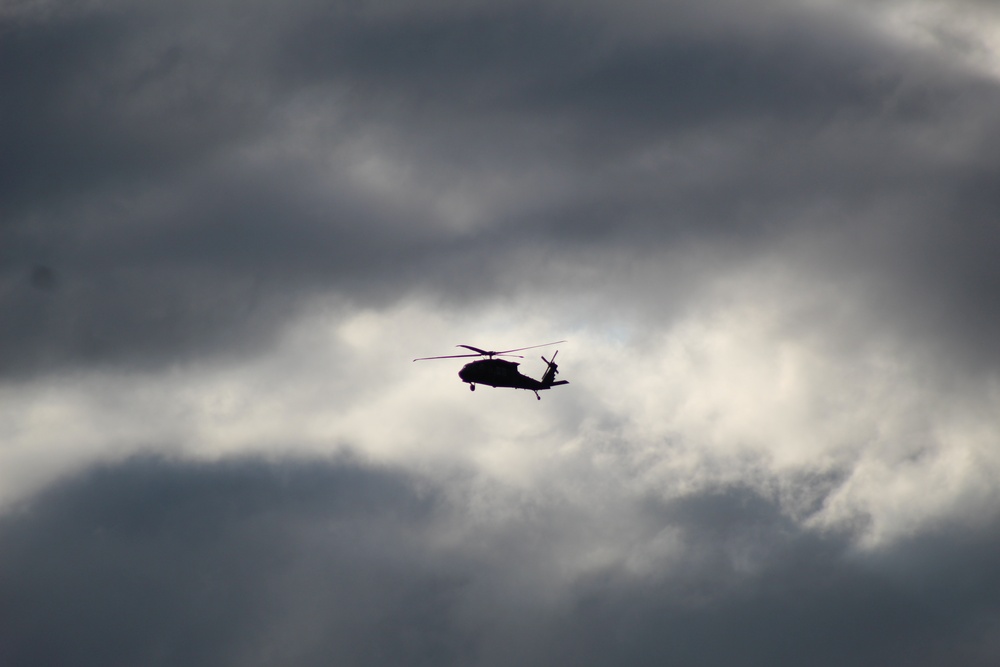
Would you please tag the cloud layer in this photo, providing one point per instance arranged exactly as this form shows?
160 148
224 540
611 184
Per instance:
303 563
186 178
769 236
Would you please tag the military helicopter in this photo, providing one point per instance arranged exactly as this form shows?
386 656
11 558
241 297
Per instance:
500 373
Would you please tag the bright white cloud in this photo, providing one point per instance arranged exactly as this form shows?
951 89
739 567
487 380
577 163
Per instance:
739 391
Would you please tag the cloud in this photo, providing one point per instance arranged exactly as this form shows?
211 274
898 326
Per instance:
186 178
226 231
230 563
302 562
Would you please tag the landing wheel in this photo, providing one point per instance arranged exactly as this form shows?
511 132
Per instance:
472 387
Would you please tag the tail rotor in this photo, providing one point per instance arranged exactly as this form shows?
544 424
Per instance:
552 371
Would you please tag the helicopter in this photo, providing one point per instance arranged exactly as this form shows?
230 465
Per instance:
501 373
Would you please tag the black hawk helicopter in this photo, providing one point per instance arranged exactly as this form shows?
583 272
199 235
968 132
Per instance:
500 373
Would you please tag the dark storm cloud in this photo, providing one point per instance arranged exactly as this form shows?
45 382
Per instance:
243 563
40 62
98 103
569 67
127 138
154 562
758 590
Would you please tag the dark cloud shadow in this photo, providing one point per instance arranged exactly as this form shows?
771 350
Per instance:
155 563
123 164
249 562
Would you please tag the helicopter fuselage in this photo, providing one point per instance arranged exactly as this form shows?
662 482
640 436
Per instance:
501 373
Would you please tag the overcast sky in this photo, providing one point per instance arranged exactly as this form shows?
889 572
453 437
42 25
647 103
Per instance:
768 232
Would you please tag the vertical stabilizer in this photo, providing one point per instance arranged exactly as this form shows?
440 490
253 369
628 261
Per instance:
550 373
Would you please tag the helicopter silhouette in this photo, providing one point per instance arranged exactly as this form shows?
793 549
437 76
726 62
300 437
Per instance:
500 373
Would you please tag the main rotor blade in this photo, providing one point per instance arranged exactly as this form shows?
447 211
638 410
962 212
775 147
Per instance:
476 349
492 353
530 347
448 356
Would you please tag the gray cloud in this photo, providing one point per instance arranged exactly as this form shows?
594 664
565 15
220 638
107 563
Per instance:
769 236
132 169
242 562
151 561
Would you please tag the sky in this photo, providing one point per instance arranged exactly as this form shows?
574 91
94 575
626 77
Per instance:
767 232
